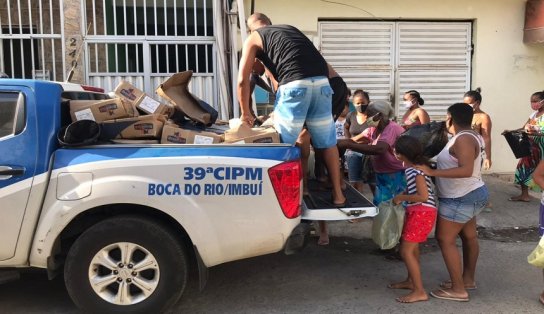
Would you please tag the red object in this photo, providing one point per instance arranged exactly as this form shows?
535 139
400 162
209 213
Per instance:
419 222
286 181
92 89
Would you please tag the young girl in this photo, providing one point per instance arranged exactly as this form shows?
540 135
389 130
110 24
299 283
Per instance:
420 216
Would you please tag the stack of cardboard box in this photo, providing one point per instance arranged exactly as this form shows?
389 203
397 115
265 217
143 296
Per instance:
134 115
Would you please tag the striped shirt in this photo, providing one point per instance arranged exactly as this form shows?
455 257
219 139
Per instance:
411 188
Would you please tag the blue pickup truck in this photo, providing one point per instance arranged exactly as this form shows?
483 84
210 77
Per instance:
123 223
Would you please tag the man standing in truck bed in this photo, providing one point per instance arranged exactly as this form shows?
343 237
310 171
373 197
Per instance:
304 95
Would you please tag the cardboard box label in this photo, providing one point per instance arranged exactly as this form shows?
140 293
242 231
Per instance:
149 104
200 139
85 114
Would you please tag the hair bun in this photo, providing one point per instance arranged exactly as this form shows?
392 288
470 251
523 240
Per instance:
478 89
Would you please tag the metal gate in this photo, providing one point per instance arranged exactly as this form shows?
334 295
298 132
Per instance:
390 58
32 39
146 41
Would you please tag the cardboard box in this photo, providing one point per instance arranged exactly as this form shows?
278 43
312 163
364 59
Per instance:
98 111
175 90
142 127
243 134
151 106
129 93
175 135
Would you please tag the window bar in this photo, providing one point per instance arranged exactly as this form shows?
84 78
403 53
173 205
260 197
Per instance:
116 57
135 18
32 50
19 15
94 17
12 63
96 58
104 19
126 58
2 65
156 58
107 57
137 59
177 58
41 18
205 22
125 16
114 6
62 45
9 18
176 19
195 22
186 57
43 54
167 58
165 19
185 16
145 17
206 48
197 59
155 15
51 17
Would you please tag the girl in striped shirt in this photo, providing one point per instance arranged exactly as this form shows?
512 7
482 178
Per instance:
420 216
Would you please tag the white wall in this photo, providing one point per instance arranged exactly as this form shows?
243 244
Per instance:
507 70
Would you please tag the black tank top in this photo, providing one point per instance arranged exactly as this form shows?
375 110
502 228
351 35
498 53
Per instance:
289 54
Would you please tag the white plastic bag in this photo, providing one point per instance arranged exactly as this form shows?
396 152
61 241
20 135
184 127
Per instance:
387 225
536 258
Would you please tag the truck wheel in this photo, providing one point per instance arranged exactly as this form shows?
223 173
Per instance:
126 264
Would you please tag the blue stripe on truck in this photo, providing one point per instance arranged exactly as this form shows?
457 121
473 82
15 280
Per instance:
76 156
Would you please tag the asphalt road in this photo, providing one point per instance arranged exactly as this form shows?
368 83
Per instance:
348 276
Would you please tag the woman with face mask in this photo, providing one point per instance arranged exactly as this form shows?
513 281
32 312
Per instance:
481 122
527 165
414 114
355 127
382 134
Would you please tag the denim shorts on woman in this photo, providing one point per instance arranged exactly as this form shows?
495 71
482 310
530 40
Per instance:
305 101
464 208
354 163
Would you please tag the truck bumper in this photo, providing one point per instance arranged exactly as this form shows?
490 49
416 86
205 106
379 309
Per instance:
298 239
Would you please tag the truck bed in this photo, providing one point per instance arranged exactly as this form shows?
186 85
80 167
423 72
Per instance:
318 204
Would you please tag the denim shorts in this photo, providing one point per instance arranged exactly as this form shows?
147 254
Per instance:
354 163
307 101
464 208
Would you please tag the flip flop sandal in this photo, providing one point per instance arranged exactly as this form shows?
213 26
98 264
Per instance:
447 285
444 295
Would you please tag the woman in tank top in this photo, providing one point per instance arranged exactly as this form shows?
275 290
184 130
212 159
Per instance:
461 196
414 115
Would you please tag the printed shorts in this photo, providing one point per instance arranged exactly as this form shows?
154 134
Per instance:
464 208
418 223
307 101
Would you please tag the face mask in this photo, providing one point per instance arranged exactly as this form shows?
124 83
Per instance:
536 105
408 104
448 125
361 108
371 123
472 105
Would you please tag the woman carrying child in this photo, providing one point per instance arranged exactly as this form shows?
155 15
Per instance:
420 218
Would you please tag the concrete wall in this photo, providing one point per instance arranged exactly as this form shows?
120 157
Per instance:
507 70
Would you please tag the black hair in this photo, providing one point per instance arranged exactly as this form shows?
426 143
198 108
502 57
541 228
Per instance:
417 96
361 93
411 148
540 95
461 114
475 94
261 17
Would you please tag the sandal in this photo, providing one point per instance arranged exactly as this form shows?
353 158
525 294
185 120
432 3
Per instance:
447 285
445 295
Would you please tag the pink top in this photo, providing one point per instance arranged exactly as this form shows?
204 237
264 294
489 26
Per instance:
386 162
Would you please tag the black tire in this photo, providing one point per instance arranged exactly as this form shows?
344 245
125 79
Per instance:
167 252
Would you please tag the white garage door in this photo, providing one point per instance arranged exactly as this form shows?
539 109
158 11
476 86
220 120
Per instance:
390 58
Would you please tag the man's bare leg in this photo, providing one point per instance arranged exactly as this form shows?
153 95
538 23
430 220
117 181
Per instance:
303 142
332 161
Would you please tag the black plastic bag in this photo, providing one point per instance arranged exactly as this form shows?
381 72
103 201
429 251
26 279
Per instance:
519 143
79 133
433 136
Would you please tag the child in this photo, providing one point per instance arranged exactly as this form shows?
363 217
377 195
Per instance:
538 177
420 216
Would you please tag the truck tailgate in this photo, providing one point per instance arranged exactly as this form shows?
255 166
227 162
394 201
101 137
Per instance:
318 204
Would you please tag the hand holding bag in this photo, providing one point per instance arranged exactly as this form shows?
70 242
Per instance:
387 225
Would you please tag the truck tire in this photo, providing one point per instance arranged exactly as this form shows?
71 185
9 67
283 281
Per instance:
126 264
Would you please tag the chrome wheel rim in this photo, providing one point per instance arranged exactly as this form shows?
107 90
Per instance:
124 273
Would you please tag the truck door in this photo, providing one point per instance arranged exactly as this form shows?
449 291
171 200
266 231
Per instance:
18 151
